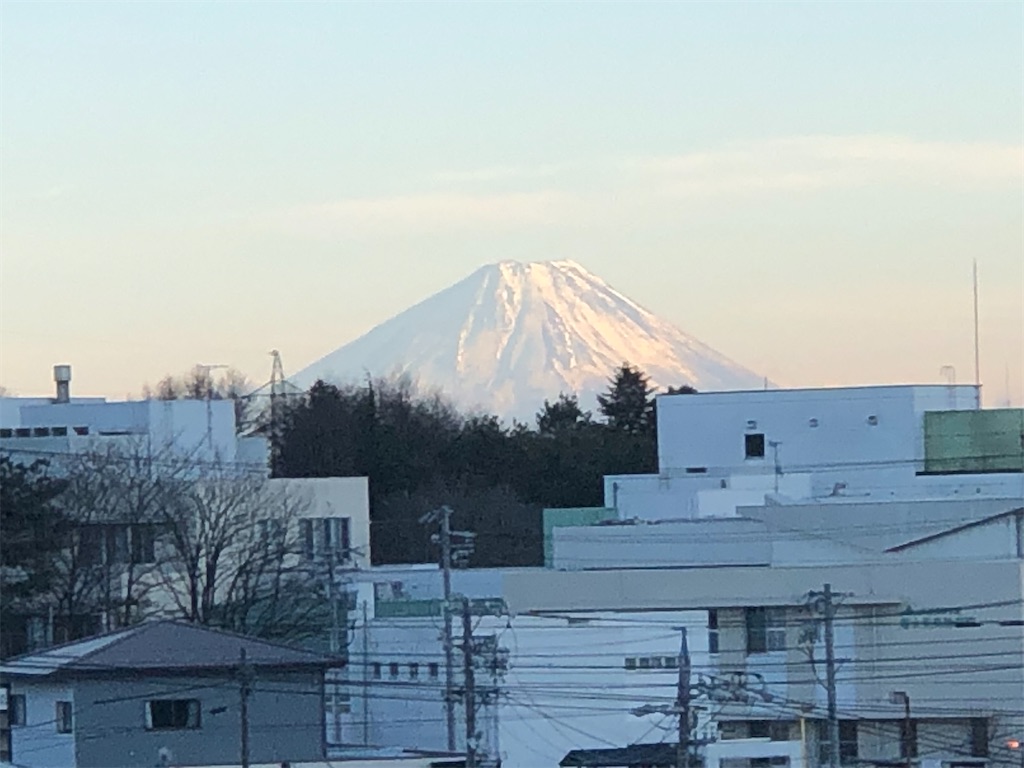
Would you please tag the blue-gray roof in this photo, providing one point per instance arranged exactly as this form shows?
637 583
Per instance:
161 646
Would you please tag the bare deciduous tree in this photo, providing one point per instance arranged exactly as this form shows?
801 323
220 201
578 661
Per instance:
231 557
200 384
115 497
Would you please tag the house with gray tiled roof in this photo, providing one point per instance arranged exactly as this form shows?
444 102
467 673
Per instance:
165 693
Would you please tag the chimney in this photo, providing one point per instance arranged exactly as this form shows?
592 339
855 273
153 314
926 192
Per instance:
62 376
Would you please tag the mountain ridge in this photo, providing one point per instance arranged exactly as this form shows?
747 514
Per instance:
512 334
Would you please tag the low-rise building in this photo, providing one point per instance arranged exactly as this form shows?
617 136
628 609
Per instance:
165 693
721 450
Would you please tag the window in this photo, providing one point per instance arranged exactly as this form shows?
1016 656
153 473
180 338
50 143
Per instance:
393 670
433 669
81 430
414 671
848 750
16 709
59 431
64 719
306 531
754 445
41 432
979 737
776 730
670 662
143 544
847 741
336 535
172 714
712 631
90 545
908 738
22 432
6 432
116 540
630 662
766 629
376 670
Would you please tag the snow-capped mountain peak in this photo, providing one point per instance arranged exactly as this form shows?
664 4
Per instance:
513 334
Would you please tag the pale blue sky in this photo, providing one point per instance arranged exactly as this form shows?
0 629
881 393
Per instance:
802 186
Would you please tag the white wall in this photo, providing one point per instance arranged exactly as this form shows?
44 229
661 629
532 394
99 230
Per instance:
334 497
566 686
200 431
707 430
37 743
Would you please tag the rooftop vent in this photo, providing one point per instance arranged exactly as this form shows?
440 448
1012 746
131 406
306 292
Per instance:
62 377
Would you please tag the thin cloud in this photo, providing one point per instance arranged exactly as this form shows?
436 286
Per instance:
498 173
818 162
432 212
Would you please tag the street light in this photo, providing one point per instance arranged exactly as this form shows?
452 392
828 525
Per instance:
1017 745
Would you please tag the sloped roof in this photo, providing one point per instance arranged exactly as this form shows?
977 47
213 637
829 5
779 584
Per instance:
955 529
634 756
159 646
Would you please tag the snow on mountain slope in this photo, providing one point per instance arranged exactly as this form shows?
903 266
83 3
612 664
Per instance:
513 334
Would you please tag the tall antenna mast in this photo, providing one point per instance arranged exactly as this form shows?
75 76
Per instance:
977 357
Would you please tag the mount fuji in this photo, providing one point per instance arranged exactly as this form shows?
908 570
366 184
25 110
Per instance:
511 335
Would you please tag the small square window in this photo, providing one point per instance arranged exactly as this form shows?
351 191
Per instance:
670 662
59 431
433 669
393 669
6 432
630 662
65 718
376 670
172 714
754 445
414 671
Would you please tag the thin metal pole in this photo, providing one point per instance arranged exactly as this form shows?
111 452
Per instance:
449 646
683 703
469 683
366 678
243 707
830 670
906 731
977 354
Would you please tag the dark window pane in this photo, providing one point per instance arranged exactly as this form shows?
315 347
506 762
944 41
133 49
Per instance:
754 446
757 630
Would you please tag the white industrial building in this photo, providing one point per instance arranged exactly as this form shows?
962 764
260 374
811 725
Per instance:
907 501
201 432
721 450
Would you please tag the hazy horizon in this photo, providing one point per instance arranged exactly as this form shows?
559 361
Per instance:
801 186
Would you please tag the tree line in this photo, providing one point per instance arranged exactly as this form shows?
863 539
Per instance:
419 451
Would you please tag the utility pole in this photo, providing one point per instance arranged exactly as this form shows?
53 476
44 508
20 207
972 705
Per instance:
824 604
830 677
244 692
902 697
366 679
469 674
683 703
450 550
446 608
